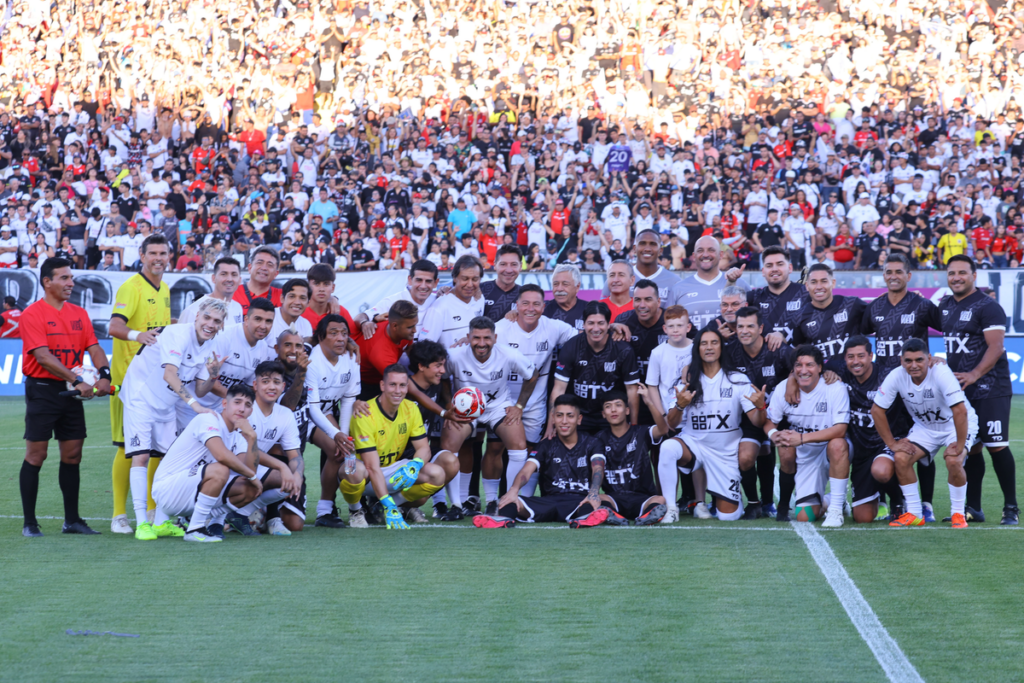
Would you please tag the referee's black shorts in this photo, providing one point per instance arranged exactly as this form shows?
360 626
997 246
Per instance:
49 415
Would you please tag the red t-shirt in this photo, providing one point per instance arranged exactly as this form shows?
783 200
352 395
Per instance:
314 319
11 324
398 245
489 246
376 353
245 297
616 310
844 252
253 140
201 158
982 238
66 332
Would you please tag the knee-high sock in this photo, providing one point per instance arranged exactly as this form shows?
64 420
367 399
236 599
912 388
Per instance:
491 489
1006 472
957 494
201 513
262 501
668 472
787 483
70 481
926 477
119 481
748 479
415 492
912 499
137 477
474 480
352 493
894 491
464 479
974 468
29 482
159 517
531 485
150 473
516 460
837 491
766 477
454 490
689 491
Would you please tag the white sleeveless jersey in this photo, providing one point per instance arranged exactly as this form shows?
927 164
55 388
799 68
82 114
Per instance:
234 317
824 406
665 370
492 377
240 364
714 423
447 320
538 347
177 345
929 403
189 452
279 427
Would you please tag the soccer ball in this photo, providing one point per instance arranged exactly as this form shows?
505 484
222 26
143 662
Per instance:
468 402
88 373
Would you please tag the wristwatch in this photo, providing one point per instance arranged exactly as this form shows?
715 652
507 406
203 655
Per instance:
78 380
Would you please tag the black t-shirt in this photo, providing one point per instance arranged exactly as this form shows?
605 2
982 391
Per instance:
643 340
893 325
498 302
780 312
589 374
565 470
866 441
361 256
627 467
767 368
828 328
574 316
963 325
870 247
770 235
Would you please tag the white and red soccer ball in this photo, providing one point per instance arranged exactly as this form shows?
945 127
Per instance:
468 402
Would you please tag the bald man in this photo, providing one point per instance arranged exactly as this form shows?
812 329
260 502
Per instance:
701 293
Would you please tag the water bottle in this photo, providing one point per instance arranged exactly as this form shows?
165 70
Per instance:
350 463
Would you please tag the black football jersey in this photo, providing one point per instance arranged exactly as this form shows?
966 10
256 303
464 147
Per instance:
767 368
861 431
628 461
498 302
643 340
781 312
589 374
893 325
565 470
574 316
828 328
963 327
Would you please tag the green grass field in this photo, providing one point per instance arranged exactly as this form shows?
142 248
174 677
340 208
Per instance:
708 601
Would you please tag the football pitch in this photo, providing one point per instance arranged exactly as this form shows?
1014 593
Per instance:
699 600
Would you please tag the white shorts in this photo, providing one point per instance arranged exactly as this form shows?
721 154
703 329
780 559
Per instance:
146 431
723 472
493 414
811 473
176 494
387 472
932 441
533 423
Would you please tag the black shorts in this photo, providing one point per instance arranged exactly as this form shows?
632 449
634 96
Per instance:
294 503
865 488
630 504
592 423
993 420
48 415
752 432
557 508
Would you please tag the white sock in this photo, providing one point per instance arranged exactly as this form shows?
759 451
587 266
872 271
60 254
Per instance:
463 478
531 485
355 507
324 507
218 515
516 460
838 492
438 497
491 488
668 473
262 501
957 498
454 490
912 499
201 513
160 516
399 499
140 493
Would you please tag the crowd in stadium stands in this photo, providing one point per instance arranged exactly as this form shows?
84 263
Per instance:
368 135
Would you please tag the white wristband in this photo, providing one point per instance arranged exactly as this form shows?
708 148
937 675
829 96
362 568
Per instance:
192 400
443 413
133 335
771 431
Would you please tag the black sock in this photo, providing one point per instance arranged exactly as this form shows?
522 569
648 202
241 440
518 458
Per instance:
748 479
69 478
894 491
787 483
273 511
686 484
1006 472
766 477
926 475
29 482
510 511
474 479
974 468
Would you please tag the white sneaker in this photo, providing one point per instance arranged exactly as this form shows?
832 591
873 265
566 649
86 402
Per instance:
277 528
150 515
700 511
120 525
671 517
357 519
415 516
833 517
257 518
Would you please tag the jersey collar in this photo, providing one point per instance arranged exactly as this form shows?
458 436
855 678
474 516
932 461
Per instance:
698 278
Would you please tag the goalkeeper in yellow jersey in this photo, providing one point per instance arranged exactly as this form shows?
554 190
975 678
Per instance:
380 469
142 308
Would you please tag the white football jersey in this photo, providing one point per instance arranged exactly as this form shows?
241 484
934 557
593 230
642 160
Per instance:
665 370
384 305
493 376
447 321
327 384
930 403
302 326
538 347
240 364
279 427
234 317
176 345
822 407
188 453
714 422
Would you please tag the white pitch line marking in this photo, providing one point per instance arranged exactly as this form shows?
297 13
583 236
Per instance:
888 653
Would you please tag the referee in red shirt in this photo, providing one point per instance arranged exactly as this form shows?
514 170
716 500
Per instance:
56 335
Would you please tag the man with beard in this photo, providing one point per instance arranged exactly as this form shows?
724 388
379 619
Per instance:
782 301
419 290
501 293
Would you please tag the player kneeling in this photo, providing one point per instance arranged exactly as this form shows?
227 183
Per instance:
818 432
380 442
571 467
213 462
942 418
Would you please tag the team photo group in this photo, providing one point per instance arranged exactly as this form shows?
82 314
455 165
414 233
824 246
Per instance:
486 400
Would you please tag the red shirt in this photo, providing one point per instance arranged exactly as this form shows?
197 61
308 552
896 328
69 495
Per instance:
616 310
376 353
201 158
11 323
398 245
982 238
253 140
314 319
845 253
861 136
245 297
66 332
489 246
